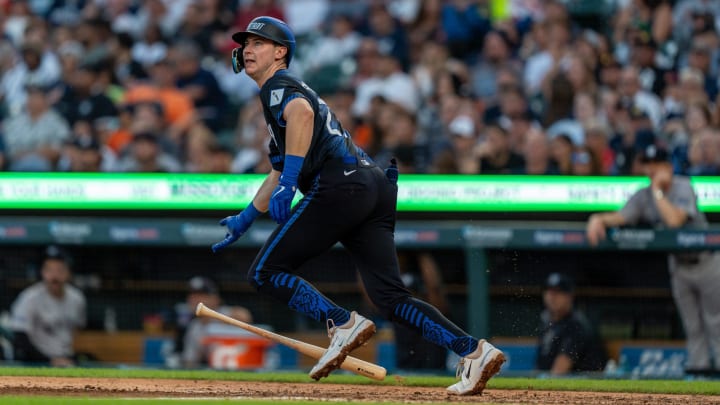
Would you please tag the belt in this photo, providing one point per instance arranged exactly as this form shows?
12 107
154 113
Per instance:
361 161
690 258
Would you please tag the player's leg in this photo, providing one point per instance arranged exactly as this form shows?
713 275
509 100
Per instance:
708 281
687 300
318 220
373 248
310 231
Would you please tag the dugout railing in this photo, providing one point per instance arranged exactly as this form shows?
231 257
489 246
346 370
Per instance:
477 240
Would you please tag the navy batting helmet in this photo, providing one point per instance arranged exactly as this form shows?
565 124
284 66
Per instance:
267 27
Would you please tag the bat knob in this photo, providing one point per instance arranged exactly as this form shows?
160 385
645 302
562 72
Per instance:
199 309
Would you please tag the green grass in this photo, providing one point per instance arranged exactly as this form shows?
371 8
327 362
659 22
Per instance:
113 401
553 384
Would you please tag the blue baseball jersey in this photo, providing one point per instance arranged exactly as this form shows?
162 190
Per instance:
329 139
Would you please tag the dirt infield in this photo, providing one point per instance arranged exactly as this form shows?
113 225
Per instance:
156 388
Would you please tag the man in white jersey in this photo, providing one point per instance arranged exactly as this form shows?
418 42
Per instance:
45 316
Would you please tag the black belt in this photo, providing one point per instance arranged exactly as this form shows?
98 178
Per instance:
689 258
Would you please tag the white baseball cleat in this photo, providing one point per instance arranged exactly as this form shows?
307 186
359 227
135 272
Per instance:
343 339
476 369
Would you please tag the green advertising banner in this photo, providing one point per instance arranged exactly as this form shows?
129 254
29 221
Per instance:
417 193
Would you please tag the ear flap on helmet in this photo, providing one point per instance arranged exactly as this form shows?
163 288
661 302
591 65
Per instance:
237 60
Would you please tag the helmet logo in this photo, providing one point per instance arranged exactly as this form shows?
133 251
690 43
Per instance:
255 26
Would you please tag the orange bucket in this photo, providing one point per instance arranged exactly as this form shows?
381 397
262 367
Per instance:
236 352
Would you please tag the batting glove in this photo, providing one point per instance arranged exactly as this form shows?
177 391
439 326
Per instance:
284 193
281 199
237 225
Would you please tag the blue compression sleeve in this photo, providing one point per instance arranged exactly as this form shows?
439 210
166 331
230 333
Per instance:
290 173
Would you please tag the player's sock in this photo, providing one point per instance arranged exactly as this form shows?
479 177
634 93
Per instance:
303 297
434 326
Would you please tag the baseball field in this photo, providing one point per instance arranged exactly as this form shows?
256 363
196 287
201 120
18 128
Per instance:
149 386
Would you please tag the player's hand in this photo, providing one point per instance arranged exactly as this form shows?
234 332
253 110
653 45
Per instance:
662 178
595 231
236 225
281 200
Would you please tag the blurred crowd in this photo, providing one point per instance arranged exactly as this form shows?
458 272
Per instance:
445 86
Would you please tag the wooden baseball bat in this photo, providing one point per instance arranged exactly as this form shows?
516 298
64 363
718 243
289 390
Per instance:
352 364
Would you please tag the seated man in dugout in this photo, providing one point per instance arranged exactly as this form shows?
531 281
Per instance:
46 315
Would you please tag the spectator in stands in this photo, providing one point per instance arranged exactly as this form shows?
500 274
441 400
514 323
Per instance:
147 156
198 150
424 28
495 153
340 42
83 100
459 156
643 55
46 315
632 93
464 23
700 57
567 342
703 154
252 145
388 81
177 106
691 84
609 75
597 134
670 202
34 138
651 18
127 70
496 55
84 155
201 22
558 115
634 133
511 102
35 65
536 153
389 32
365 60
553 42
94 33
400 140
561 152
585 162
250 9
198 83
692 17
192 330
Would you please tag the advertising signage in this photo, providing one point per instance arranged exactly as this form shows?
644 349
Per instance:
416 193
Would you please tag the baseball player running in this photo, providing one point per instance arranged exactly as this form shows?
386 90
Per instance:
346 199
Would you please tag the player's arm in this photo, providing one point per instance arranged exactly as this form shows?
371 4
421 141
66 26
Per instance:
672 215
299 117
598 223
238 224
21 325
562 364
262 196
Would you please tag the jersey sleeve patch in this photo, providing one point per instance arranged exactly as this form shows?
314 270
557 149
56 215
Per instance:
276 96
